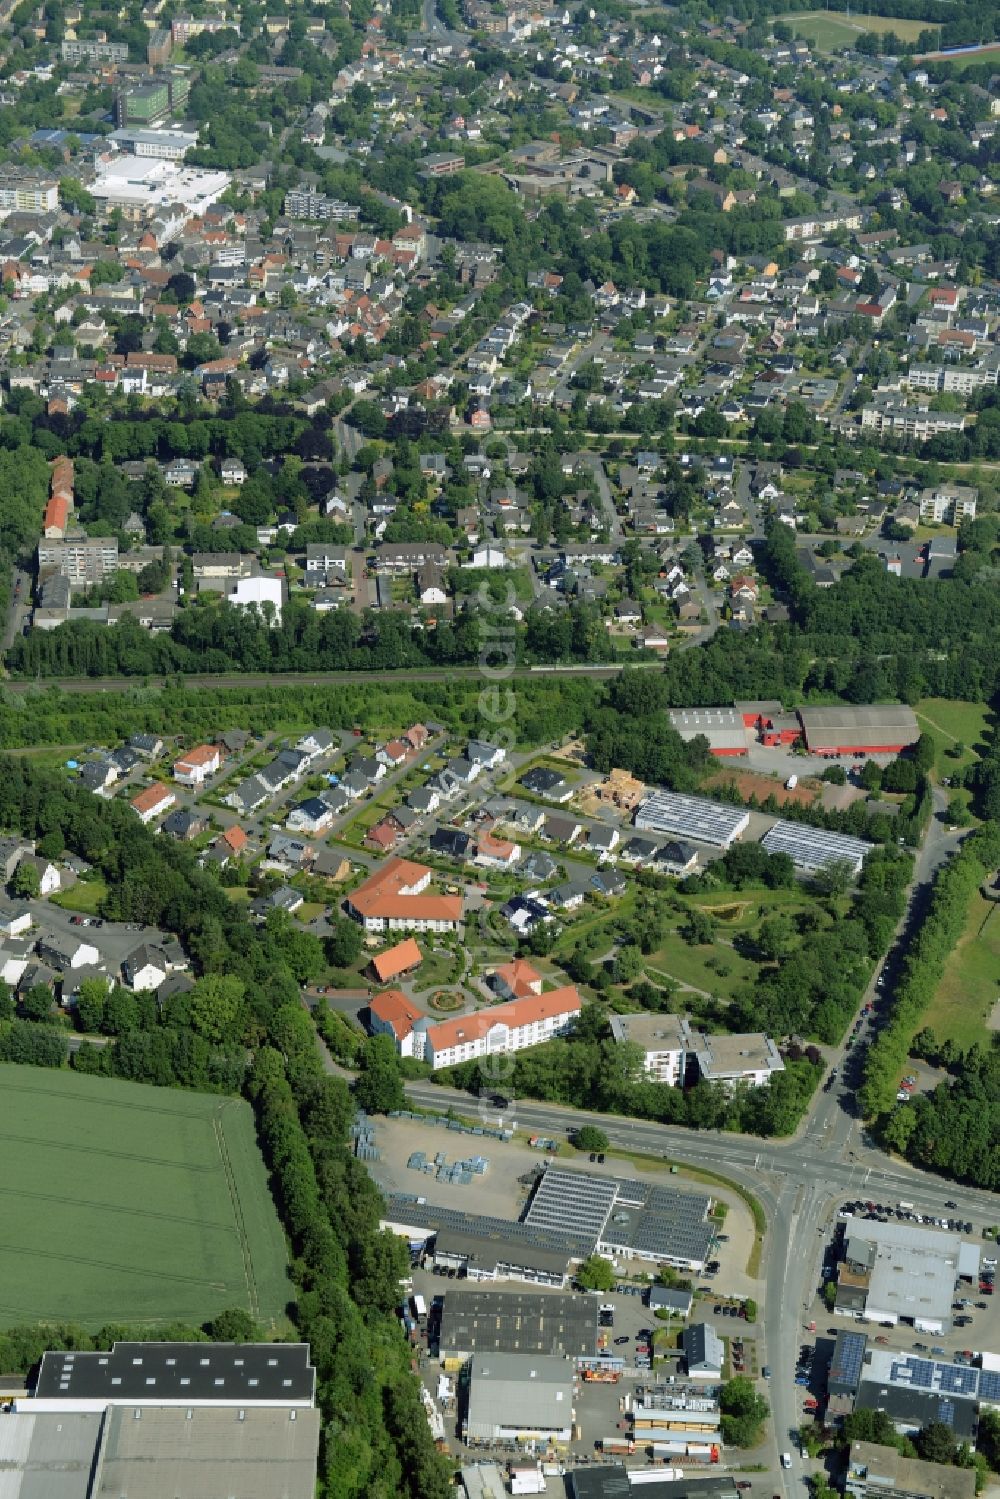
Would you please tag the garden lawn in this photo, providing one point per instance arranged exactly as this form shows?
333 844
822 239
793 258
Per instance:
127 1203
85 896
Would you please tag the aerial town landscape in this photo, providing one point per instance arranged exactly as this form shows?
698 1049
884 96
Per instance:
500 785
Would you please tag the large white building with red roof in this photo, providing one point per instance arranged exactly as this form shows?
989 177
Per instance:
393 899
523 1022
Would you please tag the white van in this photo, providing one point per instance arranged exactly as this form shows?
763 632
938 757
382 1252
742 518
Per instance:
786 1459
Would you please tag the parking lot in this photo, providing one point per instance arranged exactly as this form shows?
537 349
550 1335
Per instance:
957 1343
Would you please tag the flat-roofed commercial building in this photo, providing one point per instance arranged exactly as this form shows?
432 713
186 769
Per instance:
812 849
696 817
484 1321
883 729
257 1454
523 1398
724 728
182 1374
903 1272
914 1391
875 1472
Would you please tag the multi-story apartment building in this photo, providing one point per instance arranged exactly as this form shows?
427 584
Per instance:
303 203
83 560
948 503
899 419
88 49
22 192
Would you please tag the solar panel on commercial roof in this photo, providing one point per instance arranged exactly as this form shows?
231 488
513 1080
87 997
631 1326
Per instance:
946 1412
921 1372
989 1384
958 1379
847 1357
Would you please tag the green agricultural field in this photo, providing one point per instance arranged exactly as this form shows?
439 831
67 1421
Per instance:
968 985
831 31
127 1203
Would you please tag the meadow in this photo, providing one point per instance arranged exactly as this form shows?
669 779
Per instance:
127 1203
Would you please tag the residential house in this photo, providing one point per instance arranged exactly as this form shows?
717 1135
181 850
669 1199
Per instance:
152 801
196 765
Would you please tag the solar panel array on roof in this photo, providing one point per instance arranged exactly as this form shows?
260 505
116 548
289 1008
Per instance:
848 1357
572 1202
815 848
958 1379
946 1412
989 1385
692 817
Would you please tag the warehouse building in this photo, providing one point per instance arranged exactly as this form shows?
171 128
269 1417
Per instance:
812 849
883 729
695 817
181 1374
484 1248
483 1321
901 1272
144 1452
724 728
625 1218
875 1472
522 1398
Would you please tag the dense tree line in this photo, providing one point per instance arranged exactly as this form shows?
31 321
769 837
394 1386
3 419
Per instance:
956 883
207 637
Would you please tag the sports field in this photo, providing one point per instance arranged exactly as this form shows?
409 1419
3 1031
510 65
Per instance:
125 1203
831 31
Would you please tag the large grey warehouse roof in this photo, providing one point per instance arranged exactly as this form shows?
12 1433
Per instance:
503 1233
692 817
882 724
612 1483
484 1321
815 848
156 1373
647 1220
48 1455
200 1453
722 727
533 1391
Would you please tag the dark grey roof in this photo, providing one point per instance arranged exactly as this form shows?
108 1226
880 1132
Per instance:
487 1321
254 1373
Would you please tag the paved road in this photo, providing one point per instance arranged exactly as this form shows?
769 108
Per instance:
19 608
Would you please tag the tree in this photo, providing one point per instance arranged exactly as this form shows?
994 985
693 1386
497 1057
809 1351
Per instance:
36 1005
343 945
743 1412
215 1005
90 1004
596 1274
234 1325
936 1443
379 1088
589 1137
698 929
27 882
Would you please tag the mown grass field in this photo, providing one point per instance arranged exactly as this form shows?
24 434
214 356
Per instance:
830 31
950 723
971 980
126 1203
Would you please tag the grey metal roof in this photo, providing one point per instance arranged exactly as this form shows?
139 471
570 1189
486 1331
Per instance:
530 1391
202 1452
486 1321
48 1456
